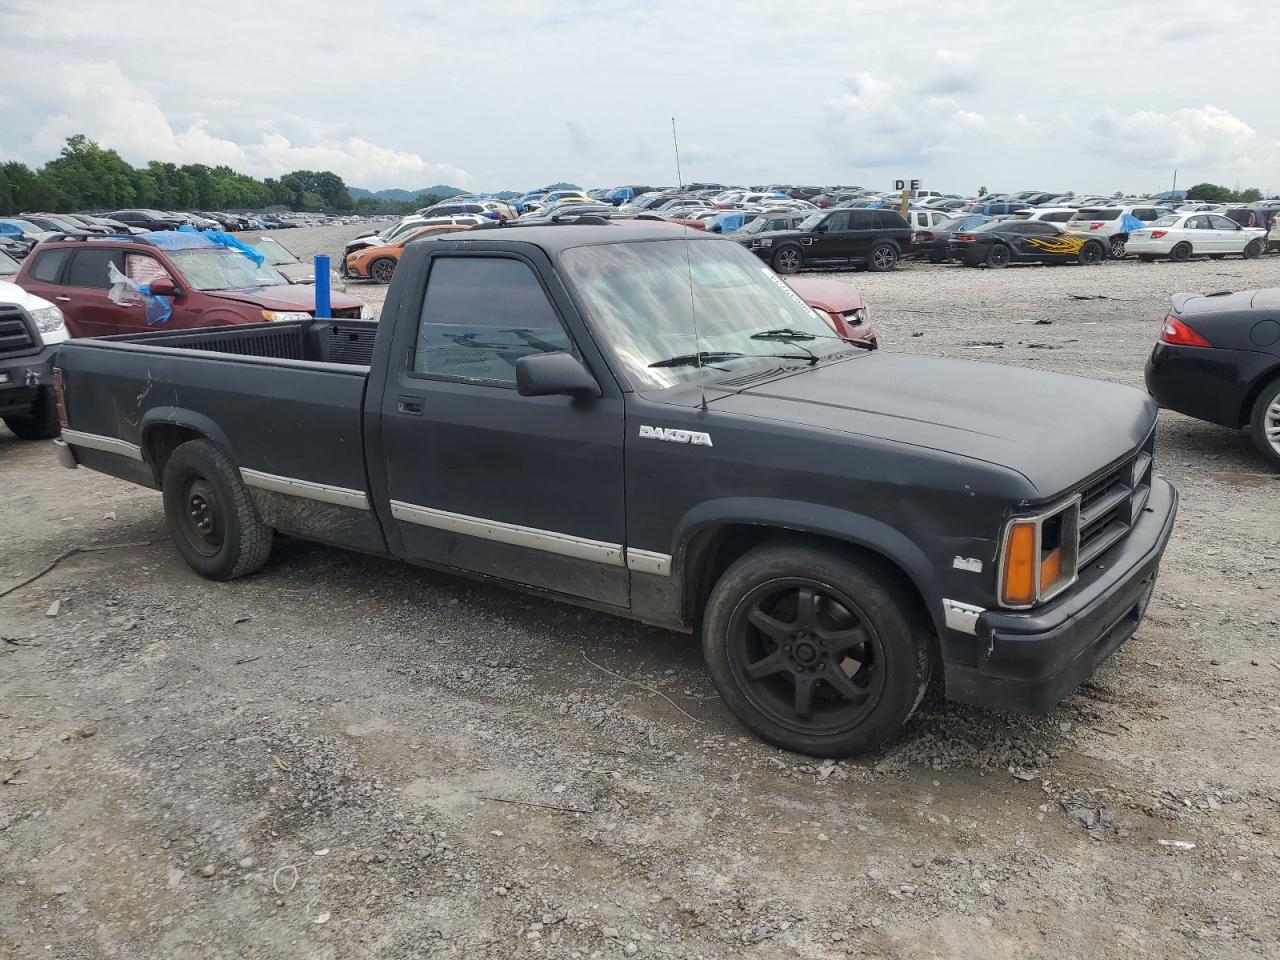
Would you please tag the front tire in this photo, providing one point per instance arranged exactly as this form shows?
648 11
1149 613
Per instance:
787 261
382 270
1181 252
1264 423
211 517
41 423
1091 253
1117 248
815 651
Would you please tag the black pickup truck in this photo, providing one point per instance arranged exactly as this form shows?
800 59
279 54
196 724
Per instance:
646 420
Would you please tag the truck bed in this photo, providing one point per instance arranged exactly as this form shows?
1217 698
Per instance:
285 400
316 341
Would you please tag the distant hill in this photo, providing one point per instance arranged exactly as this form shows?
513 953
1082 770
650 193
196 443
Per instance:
440 190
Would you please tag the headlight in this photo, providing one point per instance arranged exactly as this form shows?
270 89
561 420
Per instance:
287 315
1039 555
48 319
766 242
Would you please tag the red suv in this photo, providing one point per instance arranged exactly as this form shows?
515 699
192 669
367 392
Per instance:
207 283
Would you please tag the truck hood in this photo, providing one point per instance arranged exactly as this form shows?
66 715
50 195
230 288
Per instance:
1053 429
284 297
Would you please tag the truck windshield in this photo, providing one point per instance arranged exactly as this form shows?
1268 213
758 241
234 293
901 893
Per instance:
645 297
223 269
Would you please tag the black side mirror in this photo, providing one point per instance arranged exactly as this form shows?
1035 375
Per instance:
553 374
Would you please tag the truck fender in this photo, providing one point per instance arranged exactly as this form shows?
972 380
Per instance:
165 418
825 521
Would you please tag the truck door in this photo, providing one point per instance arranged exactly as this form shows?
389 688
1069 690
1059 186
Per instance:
479 478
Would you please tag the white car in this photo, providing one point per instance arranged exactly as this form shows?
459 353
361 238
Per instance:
1180 236
1059 215
928 219
1109 222
1273 235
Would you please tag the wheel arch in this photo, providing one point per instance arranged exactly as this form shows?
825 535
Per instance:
713 535
164 429
1264 380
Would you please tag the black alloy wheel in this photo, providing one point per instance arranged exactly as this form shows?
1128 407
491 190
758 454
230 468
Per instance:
805 656
999 256
1090 254
382 270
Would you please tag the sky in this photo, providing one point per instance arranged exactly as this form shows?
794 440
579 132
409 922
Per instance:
1084 95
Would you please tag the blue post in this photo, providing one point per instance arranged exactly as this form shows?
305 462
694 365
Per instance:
323 311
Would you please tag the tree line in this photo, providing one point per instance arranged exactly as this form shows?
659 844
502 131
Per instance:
87 177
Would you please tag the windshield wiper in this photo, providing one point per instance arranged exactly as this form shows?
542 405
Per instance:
696 359
783 333
707 357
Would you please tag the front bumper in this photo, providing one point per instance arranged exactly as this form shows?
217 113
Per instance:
1031 660
21 379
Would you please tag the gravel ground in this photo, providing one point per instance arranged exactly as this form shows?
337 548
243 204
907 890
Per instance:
345 757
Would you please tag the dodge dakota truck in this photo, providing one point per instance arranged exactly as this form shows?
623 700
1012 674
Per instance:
647 420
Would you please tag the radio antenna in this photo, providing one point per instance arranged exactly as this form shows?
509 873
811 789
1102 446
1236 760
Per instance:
676 143
693 318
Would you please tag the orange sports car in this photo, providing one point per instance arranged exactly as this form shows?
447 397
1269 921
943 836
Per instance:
379 263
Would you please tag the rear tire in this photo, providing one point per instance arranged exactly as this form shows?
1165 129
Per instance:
1181 252
998 256
41 423
211 517
1264 423
883 257
787 261
1117 248
816 651
1253 250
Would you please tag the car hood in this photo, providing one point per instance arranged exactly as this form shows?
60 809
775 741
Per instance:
835 296
284 297
1054 430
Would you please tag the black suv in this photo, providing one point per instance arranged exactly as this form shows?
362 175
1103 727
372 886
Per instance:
875 239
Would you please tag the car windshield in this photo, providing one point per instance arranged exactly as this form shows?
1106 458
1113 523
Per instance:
220 268
276 254
639 294
989 226
8 265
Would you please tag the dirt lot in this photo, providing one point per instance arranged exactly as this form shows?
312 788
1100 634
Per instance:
342 757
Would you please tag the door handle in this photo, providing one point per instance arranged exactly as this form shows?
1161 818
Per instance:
63 299
409 405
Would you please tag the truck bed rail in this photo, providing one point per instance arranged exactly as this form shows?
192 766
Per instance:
325 341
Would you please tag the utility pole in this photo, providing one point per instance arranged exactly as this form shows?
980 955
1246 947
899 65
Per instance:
1175 181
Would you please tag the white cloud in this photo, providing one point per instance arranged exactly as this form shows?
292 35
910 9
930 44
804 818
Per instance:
99 100
881 119
1206 136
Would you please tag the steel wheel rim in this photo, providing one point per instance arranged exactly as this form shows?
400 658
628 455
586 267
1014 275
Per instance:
201 520
1271 423
883 257
805 655
788 259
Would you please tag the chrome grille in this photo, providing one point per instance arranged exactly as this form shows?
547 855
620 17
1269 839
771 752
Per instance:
1110 505
15 333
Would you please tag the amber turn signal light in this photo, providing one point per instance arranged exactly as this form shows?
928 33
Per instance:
1020 564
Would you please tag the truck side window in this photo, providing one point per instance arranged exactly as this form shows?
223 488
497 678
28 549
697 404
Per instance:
481 315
